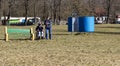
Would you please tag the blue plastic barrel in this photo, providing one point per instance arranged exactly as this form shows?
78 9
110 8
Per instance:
76 25
86 24
69 24
73 24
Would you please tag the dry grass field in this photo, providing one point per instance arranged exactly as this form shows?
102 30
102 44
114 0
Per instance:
101 48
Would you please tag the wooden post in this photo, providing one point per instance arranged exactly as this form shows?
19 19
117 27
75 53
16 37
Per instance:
31 30
32 34
6 37
6 34
5 30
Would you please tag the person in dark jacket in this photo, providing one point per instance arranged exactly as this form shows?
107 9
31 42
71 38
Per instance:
48 28
39 31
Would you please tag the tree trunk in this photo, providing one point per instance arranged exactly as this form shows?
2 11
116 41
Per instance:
34 11
92 7
108 10
59 16
9 11
44 11
0 11
26 11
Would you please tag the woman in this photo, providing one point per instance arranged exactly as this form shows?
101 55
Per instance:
48 28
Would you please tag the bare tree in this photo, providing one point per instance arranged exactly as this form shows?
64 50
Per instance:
9 10
0 9
57 9
26 11
108 10
92 7
44 10
59 16
34 10
54 11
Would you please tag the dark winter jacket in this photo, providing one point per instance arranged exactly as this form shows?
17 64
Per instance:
39 28
48 24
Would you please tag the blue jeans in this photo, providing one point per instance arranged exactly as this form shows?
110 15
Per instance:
48 33
41 34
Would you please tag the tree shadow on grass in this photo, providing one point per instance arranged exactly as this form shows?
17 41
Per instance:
61 34
113 33
83 33
2 39
59 30
97 32
114 27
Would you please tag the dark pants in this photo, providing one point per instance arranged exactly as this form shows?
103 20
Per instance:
48 33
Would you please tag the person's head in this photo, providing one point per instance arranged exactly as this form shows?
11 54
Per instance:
39 24
48 18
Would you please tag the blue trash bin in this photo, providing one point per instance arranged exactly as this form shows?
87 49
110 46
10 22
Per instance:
69 24
73 24
86 24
